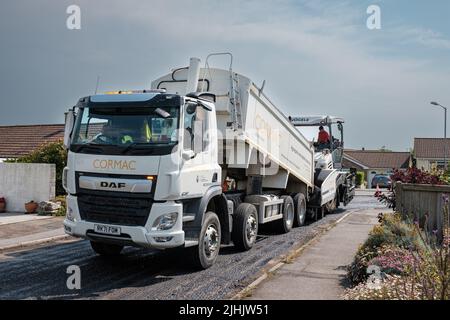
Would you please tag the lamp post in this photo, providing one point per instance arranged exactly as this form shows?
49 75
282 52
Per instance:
445 131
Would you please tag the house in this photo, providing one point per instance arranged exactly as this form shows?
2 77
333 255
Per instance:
17 141
431 151
373 162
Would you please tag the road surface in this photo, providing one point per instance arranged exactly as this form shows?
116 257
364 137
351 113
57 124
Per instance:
40 272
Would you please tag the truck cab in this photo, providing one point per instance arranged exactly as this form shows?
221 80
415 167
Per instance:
136 161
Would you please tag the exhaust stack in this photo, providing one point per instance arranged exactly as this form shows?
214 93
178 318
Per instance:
193 75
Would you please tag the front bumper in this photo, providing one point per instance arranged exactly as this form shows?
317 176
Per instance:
146 236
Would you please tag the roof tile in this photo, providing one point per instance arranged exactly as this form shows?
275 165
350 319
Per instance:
16 141
431 148
379 159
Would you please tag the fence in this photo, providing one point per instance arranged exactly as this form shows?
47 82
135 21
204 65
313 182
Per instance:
420 200
22 182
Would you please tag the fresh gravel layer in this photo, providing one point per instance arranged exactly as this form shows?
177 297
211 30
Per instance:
40 273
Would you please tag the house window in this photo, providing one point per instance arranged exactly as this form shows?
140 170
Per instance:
440 164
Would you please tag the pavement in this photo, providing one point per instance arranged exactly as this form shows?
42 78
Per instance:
319 272
14 217
19 229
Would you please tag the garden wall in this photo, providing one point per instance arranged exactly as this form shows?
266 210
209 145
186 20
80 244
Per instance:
22 182
417 200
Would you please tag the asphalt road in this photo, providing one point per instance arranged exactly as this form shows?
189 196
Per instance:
40 272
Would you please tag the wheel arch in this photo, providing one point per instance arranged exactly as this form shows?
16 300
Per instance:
213 200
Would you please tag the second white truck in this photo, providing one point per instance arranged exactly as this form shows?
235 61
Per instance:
199 160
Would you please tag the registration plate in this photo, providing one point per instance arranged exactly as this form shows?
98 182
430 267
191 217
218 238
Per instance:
105 229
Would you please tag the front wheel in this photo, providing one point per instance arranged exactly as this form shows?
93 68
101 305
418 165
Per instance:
106 249
205 253
245 226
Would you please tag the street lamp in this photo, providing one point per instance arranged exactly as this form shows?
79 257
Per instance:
445 131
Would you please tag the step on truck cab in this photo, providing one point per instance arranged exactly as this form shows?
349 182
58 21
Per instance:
199 160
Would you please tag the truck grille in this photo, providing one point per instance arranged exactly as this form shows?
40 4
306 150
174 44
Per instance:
114 210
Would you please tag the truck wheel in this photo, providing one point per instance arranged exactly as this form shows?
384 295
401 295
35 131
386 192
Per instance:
205 254
106 249
245 226
311 214
285 224
330 207
321 212
300 209
338 199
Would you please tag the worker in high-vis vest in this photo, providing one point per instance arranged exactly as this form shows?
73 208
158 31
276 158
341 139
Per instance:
148 132
145 135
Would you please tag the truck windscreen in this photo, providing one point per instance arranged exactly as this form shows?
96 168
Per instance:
126 130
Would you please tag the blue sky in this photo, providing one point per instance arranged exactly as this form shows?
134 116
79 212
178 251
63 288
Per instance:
317 57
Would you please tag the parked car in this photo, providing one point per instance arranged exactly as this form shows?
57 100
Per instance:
383 181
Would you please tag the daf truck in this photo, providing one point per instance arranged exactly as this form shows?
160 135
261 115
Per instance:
200 159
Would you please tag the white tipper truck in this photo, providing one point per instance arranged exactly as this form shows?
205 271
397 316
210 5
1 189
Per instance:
199 160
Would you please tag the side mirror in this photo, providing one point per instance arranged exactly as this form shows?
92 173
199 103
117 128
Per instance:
188 155
191 107
70 121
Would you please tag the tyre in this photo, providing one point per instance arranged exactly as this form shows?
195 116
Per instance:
315 214
285 224
300 209
321 213
205 253
311 214
245 226
338 198
106 249
330 207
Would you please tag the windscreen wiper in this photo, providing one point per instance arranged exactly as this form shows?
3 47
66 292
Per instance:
143 146
89 145
133 145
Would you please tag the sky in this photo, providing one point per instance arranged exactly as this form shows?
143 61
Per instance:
316 56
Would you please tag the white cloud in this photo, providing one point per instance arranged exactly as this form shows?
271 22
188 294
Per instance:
425 37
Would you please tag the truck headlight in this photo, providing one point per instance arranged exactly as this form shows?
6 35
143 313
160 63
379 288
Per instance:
165 221
69 214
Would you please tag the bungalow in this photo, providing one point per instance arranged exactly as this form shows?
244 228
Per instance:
17 141
373 162
431 151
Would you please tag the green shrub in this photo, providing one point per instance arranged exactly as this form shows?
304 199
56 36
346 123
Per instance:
62 211
391 232
413 265
53 152
360 178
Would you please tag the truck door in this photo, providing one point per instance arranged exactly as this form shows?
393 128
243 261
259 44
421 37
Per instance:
199 165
